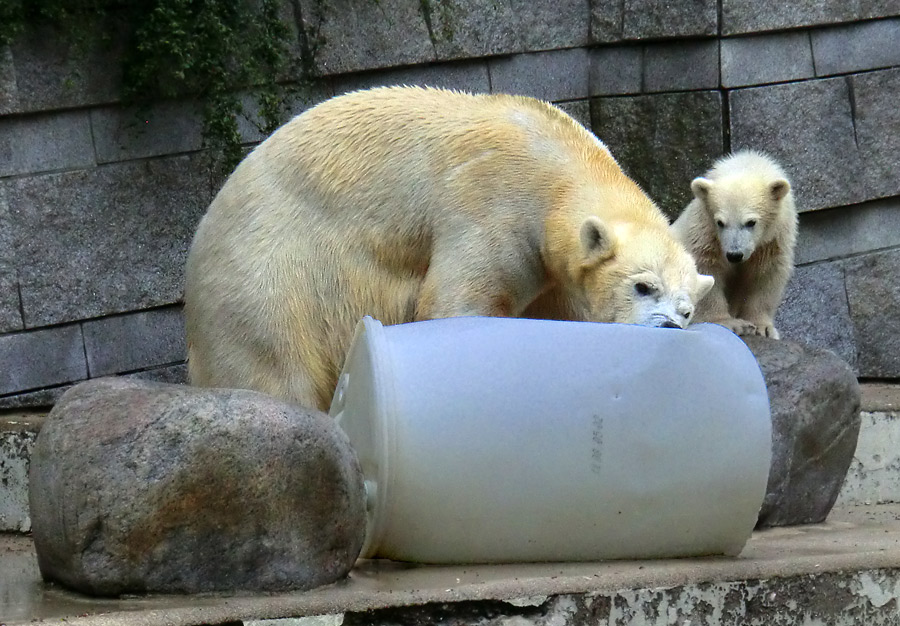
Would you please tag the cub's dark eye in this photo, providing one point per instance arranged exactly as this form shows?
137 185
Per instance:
643 289
750 223
687 315
720 223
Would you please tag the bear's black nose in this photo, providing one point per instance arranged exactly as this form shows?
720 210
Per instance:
669 324
734 257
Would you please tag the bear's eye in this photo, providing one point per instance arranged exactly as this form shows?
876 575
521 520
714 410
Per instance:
643 289
720 223
750 223
687 315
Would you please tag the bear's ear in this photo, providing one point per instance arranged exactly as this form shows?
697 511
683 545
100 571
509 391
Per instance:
704 284
779 189
701 187
597 241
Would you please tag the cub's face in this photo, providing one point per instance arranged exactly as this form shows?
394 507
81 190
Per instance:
643 276
741 212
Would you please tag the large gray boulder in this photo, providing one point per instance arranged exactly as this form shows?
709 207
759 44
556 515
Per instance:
815 400
141 486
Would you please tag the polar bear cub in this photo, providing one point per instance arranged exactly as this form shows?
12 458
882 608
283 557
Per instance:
411 204
741 228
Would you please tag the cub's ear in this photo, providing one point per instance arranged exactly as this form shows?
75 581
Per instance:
704 284
701 188
597 241
779 189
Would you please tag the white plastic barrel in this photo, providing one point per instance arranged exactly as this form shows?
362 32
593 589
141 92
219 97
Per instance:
488 440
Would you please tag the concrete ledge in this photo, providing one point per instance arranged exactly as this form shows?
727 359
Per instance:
857 553
874 474
18 432
42 399
880 397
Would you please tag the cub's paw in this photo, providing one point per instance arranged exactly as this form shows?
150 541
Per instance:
767 329
738 326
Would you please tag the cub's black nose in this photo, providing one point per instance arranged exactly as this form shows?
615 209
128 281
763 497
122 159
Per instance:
734 257
669 324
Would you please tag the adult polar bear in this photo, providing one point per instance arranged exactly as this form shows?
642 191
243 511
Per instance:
410 204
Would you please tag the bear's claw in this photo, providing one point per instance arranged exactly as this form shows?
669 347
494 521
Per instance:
767 330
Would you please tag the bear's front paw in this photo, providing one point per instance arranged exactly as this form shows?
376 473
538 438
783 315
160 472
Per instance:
738 326
767 329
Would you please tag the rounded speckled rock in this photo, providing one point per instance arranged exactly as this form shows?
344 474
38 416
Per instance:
139 486
814 398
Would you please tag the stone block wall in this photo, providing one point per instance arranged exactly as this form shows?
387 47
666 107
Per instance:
97 207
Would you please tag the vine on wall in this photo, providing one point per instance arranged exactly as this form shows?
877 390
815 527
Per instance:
209 49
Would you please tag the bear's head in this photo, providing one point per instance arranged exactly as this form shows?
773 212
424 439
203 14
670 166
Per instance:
743 210
636 273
